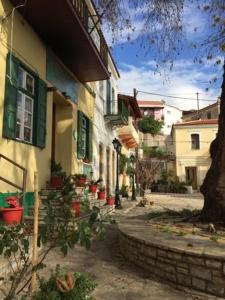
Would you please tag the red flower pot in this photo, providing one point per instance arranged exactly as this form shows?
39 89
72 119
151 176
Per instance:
76 207
81 181
56 182
12 215
101 195
111 201
93 188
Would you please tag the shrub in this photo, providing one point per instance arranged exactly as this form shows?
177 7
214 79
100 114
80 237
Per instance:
49 290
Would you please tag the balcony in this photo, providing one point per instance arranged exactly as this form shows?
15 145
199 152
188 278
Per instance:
68 28
117 116
129 134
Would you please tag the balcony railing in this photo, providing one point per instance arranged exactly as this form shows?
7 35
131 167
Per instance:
71 29
116 113
90 24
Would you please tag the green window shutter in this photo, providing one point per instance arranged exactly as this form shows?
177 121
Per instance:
40 109
80 150
90 140
9 119
108 97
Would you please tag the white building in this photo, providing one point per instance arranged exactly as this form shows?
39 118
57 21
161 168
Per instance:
104 156
163 112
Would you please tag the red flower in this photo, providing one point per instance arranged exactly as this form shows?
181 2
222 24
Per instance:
13 201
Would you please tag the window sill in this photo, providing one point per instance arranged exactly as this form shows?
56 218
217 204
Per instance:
23 142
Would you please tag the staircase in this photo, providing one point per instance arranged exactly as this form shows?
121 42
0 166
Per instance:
93 201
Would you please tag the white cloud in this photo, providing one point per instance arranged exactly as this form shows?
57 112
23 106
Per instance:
185 80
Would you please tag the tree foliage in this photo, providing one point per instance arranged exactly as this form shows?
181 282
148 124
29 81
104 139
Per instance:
162 29
150 125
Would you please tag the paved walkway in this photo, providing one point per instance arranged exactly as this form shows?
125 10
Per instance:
116 278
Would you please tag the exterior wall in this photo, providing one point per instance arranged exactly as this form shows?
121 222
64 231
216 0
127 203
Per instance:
169 115
187 157
172 115
86 104
213 110
104 134
28 48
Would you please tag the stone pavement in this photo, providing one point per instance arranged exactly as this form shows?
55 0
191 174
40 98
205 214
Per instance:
118 279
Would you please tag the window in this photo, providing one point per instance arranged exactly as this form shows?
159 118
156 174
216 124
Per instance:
101 89
85 137
195 143
25 104
209 115
108 98
84 134
113 101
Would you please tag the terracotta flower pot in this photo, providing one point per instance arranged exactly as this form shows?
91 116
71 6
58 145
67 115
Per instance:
56 182
76 207
93 188
101 195
111 201
12 215
81 181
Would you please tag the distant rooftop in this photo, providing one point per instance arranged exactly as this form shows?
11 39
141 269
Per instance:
198 122
152 103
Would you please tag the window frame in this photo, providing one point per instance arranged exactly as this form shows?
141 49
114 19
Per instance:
22 89
195 134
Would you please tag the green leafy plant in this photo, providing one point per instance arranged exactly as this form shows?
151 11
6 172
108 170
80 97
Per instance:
123 160
124 191
78 176
59 230
150 125
101 188
50 290
56 169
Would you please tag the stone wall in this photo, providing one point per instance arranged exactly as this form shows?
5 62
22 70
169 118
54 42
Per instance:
202 272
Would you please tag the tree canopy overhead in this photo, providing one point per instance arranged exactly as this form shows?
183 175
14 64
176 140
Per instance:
160 26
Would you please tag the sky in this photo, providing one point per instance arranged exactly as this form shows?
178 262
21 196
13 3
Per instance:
137 69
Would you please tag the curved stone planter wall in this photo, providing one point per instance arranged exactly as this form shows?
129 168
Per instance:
202 272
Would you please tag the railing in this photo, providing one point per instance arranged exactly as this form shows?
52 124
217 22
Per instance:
21 188
123 110
89 23
114 108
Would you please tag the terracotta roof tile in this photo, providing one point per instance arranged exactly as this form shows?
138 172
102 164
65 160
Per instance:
198 122
152 103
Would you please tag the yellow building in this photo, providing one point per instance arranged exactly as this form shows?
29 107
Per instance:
192 141
49 62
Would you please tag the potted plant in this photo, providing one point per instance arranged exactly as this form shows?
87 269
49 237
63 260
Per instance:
110 199
189 187
75 205
101 193
80 179
13 213
93 186
57 175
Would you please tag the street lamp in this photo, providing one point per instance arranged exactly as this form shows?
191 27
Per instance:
133 197
117 146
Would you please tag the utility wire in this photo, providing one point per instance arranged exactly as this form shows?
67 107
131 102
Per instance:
174 97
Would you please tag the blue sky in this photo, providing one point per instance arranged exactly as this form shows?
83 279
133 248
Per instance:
137 69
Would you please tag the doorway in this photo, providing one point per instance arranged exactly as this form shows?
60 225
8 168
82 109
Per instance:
100 166
107 171
191 176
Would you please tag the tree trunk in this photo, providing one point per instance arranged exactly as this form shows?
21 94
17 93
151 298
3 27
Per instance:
213 187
